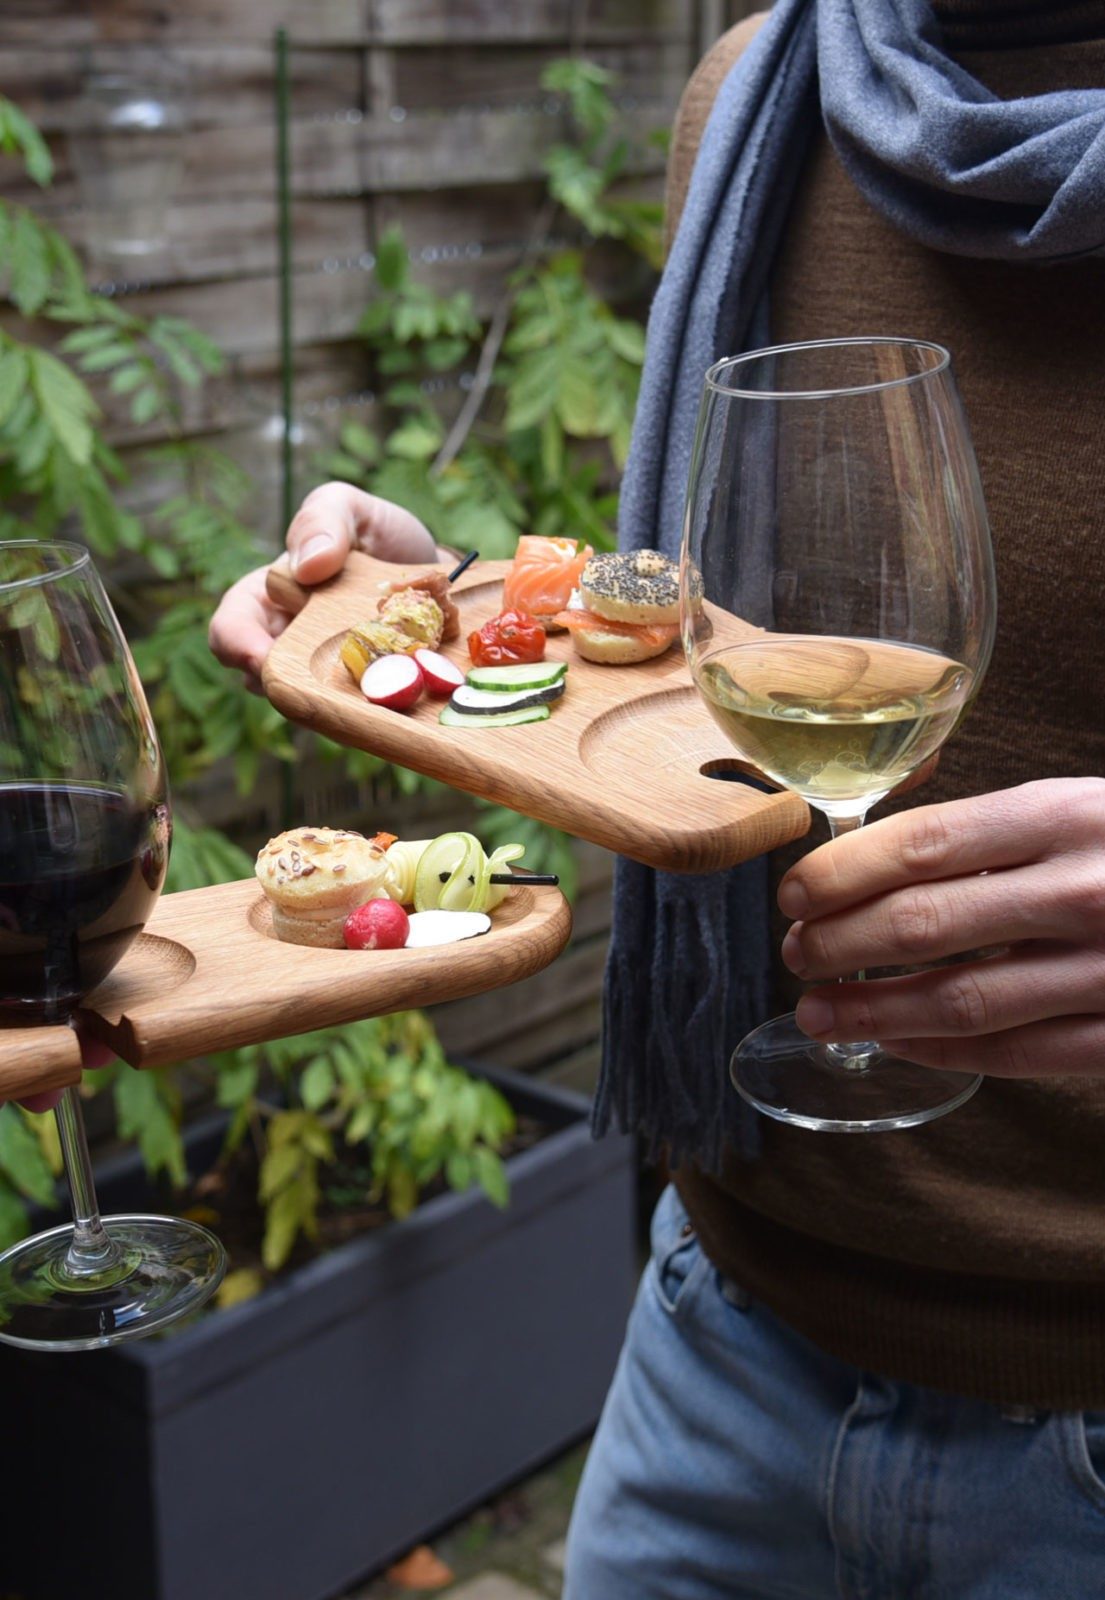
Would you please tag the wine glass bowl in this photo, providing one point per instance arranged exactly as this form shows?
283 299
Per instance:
838 612
85 830
84 814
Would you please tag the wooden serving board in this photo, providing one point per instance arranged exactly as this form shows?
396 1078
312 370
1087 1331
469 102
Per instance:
209 974
623 760
34 1057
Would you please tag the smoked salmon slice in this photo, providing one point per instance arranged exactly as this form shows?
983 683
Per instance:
543 574
656 633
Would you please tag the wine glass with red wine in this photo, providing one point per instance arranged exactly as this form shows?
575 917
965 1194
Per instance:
84 845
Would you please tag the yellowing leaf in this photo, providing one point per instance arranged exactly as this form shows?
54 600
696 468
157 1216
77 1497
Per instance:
239 1286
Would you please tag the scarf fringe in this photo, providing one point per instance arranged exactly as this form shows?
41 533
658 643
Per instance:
673 1012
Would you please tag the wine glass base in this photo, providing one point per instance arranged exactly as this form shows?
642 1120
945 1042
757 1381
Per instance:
791 1077
165 1268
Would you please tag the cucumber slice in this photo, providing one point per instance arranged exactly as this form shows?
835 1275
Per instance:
508 680
452 718
478 702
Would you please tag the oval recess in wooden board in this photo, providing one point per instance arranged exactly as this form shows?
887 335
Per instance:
209 974
622 761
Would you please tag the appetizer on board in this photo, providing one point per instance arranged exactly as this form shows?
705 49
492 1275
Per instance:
626 608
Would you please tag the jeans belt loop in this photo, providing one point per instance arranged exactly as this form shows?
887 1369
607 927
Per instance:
1024 1416
736 1296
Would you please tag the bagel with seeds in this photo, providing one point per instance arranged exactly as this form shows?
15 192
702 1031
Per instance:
627 608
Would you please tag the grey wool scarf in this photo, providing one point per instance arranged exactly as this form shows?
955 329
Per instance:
953 167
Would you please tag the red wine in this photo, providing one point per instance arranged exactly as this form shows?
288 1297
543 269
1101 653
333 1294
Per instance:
80 871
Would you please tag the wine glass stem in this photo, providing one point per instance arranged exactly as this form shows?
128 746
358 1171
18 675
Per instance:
858 1056
91 1249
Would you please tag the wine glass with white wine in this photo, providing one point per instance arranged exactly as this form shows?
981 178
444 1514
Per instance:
838 612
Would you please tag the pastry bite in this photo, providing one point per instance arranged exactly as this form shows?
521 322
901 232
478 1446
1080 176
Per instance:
626 608
435 583
314 877
409 620
416 614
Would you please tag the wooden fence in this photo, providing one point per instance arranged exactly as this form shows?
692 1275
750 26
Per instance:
428 113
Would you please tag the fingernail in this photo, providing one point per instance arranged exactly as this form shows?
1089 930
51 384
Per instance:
815 1015
792 953
793 899
315 545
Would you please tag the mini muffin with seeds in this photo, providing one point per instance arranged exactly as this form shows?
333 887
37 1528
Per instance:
314 877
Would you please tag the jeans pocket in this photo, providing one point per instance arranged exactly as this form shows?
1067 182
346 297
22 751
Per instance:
677 1257
1086 1453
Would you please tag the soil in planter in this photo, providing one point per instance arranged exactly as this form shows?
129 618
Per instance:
224 1199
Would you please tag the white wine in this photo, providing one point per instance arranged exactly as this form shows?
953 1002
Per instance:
837 720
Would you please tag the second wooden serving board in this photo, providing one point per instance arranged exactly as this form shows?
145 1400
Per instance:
208 974
624 760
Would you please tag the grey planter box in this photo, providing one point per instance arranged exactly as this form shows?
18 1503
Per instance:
295 1443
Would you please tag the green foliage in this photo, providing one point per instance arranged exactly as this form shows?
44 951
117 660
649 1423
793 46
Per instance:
553 429
540 454
382 1090
19 137
29 1163
147 1109
582 175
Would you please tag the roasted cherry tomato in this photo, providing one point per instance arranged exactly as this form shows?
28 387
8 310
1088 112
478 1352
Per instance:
512 636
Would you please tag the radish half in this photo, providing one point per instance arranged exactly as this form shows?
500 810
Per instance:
441 676
393 681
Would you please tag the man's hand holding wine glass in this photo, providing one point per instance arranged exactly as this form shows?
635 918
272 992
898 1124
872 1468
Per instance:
1022 870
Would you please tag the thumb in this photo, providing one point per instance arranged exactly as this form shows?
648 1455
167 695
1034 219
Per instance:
321 533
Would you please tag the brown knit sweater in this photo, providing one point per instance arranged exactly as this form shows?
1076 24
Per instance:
967 1255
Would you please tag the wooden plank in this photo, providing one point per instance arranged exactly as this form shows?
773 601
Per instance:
578 1070
448 232
538 1049
209 239
240 314
63 22
226 84
330 384
528 1010
325 159
424 22
505 76
592 910
466 146
256 450
351 154
457 225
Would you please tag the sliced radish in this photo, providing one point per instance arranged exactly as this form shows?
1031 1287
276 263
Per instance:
445 927
393 681
441 676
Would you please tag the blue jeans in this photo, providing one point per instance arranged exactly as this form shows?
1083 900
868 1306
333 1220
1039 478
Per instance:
735 1459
